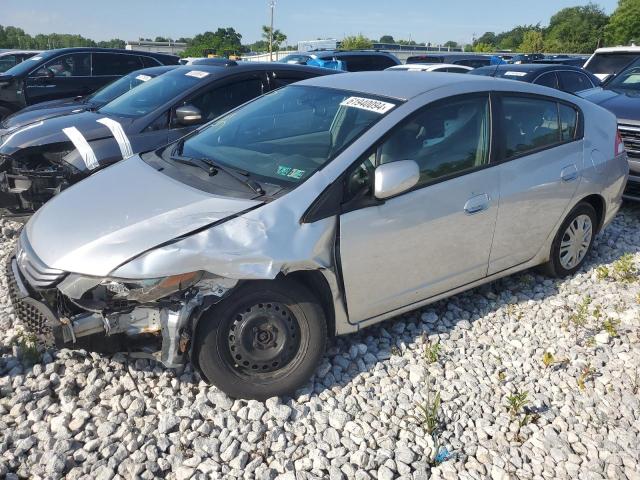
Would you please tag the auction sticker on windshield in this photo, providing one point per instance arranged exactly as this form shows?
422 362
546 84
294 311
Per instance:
294 173
515 74
197 74
377 106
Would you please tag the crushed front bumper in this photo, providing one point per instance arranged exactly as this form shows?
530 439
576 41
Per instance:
22 193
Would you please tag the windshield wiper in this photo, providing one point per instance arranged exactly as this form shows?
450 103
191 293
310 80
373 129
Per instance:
212 168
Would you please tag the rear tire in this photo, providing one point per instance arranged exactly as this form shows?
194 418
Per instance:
265 340
573 242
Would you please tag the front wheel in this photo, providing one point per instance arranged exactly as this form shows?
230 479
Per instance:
573 241
265 340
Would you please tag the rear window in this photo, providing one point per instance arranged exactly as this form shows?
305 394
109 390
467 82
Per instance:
531 124
610 63
115 64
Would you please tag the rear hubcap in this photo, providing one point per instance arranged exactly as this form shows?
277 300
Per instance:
576 241
263 338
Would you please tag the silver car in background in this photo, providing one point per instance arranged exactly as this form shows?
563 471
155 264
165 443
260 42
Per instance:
319 209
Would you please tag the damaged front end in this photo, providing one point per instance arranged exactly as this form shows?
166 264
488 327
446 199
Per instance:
153 318
30 178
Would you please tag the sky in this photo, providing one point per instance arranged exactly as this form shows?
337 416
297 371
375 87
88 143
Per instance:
420 20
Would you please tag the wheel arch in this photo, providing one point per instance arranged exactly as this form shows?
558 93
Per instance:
317 284
599 205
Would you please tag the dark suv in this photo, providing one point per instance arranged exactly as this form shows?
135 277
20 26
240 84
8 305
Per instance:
352 60
69 72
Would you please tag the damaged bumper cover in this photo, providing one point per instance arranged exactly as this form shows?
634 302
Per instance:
50 312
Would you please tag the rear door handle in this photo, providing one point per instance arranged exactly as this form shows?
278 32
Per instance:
477 204
569 173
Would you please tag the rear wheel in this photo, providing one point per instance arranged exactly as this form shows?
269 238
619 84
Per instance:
573 241
265 340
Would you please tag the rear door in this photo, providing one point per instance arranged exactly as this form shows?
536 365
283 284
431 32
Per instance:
548 79
62 77
435 237
541 162
107 67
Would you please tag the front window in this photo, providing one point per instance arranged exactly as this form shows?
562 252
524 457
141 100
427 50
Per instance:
150 96
7 61
610 63
629 79
72 65
284 137
120 86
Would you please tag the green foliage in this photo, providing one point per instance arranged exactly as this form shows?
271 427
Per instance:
602 272
610 326
224 41
624 269
516 402
624 24
387 39
451 44
576 29
432 352
532 42
548 359
278 37
357 42
483 47
586 374
28 345
581 314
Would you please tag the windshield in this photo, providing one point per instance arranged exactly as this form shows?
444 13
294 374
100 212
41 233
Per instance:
27 65
610 63
120 86
287 135
151 95
629 79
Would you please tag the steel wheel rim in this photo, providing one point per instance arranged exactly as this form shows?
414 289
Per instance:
263 338
576 241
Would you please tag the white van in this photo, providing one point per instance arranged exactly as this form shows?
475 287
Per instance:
609 61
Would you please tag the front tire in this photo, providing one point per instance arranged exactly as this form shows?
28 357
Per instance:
573 241
265 340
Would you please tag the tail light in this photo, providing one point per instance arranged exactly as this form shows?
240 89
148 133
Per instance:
619 148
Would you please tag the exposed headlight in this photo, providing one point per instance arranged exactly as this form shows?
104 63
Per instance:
152 289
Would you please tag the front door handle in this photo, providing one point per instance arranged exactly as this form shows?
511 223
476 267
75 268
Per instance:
477 204
569 173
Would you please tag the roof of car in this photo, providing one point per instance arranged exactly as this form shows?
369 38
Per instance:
236 67
105 50
156 70
399 85
528 68
427 66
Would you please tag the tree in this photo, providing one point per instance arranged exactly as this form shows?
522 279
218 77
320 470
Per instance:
512 39
387 39
259 46
357 42
278 37
624 25
451 44
225 41
532 42
576 30
487 38
483 47
468 48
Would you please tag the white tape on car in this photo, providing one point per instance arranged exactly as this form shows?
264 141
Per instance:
119 135
370 104
143 78
28 127
515 74
196 73
83 147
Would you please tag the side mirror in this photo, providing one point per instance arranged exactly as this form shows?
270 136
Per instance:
188 115
396 177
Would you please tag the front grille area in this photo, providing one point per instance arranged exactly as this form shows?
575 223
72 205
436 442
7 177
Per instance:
631 138
35 316
37 274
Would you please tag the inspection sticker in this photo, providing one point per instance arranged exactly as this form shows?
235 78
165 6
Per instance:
35 59
377 106
196 73
290 172
143 78
515 74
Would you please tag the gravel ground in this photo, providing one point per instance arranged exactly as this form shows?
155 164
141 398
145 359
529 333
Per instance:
566 352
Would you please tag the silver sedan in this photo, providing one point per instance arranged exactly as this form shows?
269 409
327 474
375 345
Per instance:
319 209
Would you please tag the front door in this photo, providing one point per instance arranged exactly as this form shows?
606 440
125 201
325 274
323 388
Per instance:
63 77
542 153
435 237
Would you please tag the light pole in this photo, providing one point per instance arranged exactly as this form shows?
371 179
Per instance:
272 6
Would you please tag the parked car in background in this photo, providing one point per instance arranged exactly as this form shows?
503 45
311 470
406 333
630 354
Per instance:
621 96
608 61
11 58
473 61
431 67
257 236
561 77
55 108
206 61
40 159
352 60
69 72
525 58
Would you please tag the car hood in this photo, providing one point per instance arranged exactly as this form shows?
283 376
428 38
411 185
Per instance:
51 130
120 212
623 104
43 111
